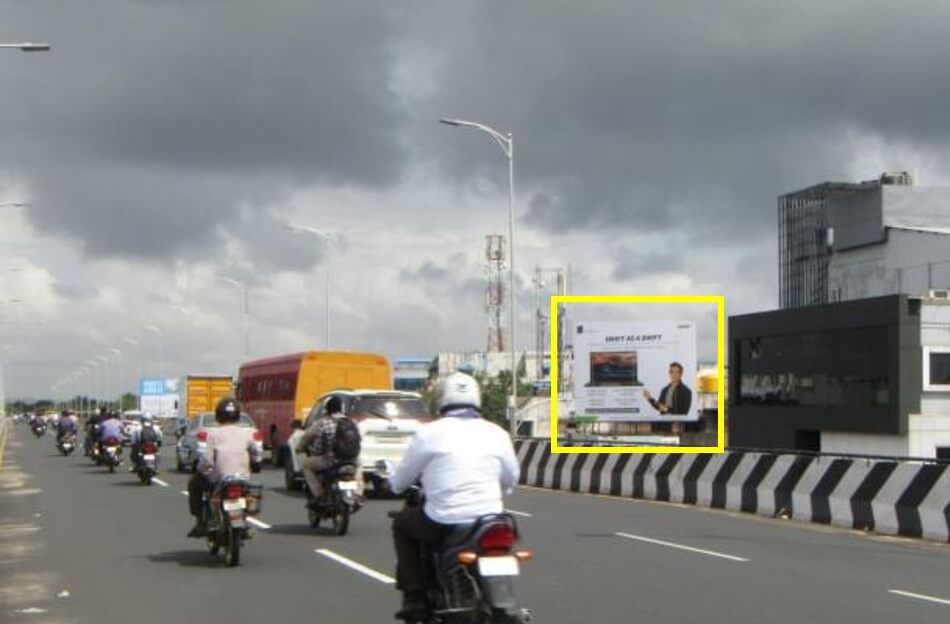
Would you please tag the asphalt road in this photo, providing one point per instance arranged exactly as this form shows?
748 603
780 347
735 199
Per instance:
79 545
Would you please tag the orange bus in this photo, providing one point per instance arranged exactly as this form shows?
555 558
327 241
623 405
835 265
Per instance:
278 390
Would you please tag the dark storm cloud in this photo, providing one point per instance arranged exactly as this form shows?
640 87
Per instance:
631 263
151 122
680 115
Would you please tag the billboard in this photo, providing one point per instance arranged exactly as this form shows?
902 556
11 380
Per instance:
159 396
622 371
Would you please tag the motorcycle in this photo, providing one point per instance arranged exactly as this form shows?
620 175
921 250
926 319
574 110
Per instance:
341 499
39 429
67 444
111 453
226 512
147 462
470 575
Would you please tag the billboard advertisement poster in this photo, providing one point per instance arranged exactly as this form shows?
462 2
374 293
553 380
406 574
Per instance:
159 397
622 371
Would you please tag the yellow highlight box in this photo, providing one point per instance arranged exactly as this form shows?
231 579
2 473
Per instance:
720 302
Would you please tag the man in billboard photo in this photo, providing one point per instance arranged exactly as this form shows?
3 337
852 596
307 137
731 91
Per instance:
676 398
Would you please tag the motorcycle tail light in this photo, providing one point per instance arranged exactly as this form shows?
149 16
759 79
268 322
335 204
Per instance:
112 442
149 449
257 436
498 537
234 491
202 436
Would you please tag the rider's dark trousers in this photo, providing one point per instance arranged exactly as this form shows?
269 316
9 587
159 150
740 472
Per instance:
197 486
411 528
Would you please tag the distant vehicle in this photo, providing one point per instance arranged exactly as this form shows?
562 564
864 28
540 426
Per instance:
201 393
131 422
193 437
279 391
387 420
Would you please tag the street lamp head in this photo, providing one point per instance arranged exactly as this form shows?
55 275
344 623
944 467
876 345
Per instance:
35 47
452 122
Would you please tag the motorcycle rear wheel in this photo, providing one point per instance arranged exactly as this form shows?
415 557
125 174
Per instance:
233 548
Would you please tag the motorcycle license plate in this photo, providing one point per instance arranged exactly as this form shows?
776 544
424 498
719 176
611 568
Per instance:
348 486
235 504
149 458
498 566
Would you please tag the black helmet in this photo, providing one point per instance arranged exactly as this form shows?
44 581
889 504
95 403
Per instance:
334 405
227 411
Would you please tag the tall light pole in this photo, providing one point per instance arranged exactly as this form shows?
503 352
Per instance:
27 46
244 322
118 374
132 342
161 347
106 385
507 143
325 235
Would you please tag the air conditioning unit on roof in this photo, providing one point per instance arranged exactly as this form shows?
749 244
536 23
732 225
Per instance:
938 294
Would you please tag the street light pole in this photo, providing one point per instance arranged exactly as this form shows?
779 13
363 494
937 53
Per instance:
27 46
325 235
244 322
507 143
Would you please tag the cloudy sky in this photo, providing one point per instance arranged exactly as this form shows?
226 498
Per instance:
162 143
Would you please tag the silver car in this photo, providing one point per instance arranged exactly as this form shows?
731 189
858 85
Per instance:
193 435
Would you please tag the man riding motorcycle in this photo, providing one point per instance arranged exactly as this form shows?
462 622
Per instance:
230 450
148 433
92 429
317 442
67 426
464 463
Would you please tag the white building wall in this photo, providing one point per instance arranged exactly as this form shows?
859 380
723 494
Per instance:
910 262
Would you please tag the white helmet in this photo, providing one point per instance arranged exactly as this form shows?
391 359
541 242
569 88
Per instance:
147 418
459 391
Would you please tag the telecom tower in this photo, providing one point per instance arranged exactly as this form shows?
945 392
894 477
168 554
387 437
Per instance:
495 291
541 316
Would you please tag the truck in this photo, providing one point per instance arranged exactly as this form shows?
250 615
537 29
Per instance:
201 393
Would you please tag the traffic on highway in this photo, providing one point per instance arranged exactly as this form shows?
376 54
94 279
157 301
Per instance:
474 312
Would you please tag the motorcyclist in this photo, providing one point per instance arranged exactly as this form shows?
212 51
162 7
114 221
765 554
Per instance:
317 442
111 427
92 429
464 463
66 426
149 432
230 450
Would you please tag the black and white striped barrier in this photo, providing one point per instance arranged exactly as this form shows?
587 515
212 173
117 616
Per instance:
889 497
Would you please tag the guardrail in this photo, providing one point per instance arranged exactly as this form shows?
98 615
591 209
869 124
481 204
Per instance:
896 496
595 442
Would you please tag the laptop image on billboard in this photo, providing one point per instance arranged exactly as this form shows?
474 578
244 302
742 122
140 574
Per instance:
613 368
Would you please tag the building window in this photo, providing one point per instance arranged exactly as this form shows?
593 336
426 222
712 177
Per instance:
840 368
937 368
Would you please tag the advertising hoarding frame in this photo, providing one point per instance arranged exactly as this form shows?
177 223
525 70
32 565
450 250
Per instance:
718 300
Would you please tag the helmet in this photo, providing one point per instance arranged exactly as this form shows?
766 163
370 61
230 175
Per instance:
227 411
334 405
147 418
459 391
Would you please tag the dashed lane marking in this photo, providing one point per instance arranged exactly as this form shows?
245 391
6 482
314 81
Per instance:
159 481
259 523
650 540
354 565
523 514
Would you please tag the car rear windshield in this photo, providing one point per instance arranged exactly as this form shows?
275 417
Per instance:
245 421
388 407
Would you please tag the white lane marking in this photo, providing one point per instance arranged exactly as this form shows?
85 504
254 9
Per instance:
908 594
353 565
30 611
523 514
650 540
159 481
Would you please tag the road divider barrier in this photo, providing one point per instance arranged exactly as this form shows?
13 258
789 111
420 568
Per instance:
891 497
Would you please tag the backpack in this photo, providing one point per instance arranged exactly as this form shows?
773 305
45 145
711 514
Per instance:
346 440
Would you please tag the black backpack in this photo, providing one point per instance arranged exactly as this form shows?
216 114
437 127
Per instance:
347 441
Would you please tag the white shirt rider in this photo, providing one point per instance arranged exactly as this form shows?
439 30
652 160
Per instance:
464 462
